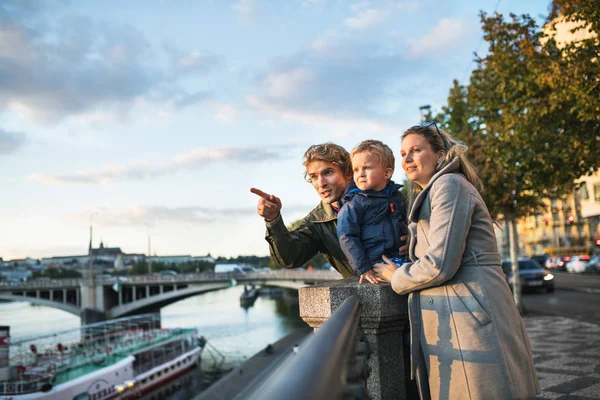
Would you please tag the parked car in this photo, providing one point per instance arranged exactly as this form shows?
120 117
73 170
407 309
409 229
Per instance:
541 259
229 268
579 264
166 272
558 263
533 275
595 263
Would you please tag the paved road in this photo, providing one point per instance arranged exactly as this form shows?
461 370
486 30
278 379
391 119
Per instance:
565 303
587 282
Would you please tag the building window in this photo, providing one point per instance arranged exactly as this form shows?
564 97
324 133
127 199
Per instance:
597 192
583 192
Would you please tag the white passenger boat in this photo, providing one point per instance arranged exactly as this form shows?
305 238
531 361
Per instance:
118 358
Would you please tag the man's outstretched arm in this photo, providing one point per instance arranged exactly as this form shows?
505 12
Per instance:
289 249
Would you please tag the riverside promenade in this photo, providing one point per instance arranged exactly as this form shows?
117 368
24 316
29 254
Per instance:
566 353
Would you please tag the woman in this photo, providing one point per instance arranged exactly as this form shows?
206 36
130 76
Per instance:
467 337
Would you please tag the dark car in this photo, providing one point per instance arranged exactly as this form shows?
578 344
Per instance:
540 259
595 264
533 275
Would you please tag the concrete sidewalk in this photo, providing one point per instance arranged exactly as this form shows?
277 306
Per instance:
566 353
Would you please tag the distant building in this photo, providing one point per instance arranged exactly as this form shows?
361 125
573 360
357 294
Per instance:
176 260
19 274
207 258
66 261
22 262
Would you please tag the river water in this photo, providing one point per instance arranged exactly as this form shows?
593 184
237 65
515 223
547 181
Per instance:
234 334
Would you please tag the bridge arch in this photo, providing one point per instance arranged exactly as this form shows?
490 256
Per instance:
70 308
164 299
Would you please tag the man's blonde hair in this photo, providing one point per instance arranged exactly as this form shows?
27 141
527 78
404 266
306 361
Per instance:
328 152
385 154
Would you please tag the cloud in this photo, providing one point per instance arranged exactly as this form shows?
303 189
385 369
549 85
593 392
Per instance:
367 17
195 61
188 99
244 8
317 118
10 142
226 113
143 216
347 83
55 67
445 35
193 159
285 84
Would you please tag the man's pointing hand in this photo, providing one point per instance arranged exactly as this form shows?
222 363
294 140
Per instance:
268 206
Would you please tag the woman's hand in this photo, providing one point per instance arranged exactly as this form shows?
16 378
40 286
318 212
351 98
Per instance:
403 250
385 271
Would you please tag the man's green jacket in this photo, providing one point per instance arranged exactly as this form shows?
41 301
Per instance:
316 233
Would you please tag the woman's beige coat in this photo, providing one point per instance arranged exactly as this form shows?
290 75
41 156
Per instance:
466 332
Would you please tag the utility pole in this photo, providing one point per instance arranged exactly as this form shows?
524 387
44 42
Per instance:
149 248
91 283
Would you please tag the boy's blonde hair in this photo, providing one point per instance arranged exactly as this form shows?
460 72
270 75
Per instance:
385 154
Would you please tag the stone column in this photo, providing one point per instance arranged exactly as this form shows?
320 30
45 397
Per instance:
384 314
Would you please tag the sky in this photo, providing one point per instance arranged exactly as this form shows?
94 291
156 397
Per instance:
153 118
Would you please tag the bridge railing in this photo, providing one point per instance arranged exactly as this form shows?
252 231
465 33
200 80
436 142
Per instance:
329 364
208 276
40 284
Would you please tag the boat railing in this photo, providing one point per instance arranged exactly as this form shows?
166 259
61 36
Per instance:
27 384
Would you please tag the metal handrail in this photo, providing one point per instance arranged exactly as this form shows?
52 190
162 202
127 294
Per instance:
319 369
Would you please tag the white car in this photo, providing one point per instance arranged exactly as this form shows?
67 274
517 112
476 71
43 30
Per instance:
578 264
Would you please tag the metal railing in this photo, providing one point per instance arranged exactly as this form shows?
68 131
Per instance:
329 364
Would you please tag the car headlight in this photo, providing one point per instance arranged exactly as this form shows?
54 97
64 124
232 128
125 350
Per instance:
548 277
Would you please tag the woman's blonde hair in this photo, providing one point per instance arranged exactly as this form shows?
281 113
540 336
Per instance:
441 141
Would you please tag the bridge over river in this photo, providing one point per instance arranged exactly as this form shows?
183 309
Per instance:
116 297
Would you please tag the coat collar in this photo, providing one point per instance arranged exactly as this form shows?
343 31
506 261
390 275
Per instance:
323 213
416 207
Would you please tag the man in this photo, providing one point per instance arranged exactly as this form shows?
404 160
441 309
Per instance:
329 170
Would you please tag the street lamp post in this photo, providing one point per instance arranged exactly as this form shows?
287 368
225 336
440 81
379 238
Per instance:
149 251
425 111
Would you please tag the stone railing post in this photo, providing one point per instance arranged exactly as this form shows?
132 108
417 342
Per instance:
383 318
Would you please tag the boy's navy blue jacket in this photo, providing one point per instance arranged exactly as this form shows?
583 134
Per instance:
370 224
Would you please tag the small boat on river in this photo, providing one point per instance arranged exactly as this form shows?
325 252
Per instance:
118 358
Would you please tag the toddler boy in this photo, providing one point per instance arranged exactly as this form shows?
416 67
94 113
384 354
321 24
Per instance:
373 216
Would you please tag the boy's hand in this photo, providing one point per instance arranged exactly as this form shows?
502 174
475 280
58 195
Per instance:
369 276
268 206
385 271
403 250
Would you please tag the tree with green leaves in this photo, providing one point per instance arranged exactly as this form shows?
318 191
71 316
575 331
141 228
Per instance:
526 141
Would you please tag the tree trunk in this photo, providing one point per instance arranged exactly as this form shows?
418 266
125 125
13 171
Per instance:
514 257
